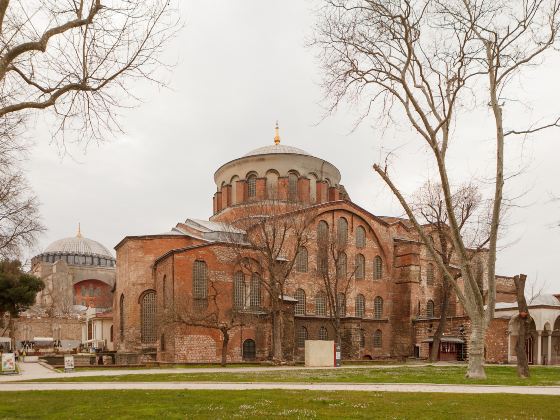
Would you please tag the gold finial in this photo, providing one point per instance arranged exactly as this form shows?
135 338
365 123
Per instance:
79 234
276 134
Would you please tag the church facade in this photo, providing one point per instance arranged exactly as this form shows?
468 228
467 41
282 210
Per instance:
204 289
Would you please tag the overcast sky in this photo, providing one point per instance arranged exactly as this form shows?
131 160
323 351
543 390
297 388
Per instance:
242 65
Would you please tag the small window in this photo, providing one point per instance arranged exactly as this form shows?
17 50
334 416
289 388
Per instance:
148 317
377 268
430 309
301 260
302 336
377 339
252 186
378 307
430 275
121 315
342 233
255 291
162 342
300 305
341 302
341 266
321 304
360 306
323 334
239 290
360 237
360 267
200 285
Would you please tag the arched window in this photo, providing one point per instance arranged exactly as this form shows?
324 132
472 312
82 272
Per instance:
249 350
341 266
321 304
377 339
162 342
362 338
300 305
322 234
292 186
360 237
341 302
312 188
255 291
360 306
148 317
342 232
302 336
164 290
377 268
301 260
252 186
360 267
430 275
323 334
121 316
233 182
430 309
200 284
378 307
239 290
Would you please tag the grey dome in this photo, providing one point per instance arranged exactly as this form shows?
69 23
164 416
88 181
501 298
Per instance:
78 245
277 149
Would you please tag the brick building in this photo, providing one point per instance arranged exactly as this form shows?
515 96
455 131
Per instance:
176 292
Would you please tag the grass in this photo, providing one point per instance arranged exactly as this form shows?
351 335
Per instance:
133 404
497 375
163 366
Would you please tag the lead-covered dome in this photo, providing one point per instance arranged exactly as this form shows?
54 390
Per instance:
276 148
78 245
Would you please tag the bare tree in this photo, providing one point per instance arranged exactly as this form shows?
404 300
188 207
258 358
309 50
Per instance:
77 58
428 204
275 232
425 61
338 280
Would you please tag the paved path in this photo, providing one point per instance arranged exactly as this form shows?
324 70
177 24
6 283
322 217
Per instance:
470 389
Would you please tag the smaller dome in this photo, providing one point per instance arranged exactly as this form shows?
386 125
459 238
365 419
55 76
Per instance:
277 149
78 245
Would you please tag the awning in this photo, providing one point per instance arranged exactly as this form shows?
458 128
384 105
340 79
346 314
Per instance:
5 339
445 340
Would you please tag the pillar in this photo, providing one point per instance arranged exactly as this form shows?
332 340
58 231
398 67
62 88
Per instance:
549 352
539 347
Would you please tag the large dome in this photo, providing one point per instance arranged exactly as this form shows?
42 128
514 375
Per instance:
276 149
78 245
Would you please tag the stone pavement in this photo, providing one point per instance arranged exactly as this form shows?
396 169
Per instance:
470 389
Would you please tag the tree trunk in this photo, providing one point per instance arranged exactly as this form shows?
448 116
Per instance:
225 342
434 354
475 369
12 333
277 335
520 350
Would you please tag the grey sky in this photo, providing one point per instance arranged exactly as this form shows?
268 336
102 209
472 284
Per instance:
242 65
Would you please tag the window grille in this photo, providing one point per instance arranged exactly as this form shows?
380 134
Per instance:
377 339
341 266
200 285
322 234
301 260
360 237
239 290
252 186
323 334
322 262
341 301
430 309
292 186
255 291
321 304
302 336
148 317
360 306
249 350
378 307
342 232
121 314
430 275
377 268
300 305
164 289
360 267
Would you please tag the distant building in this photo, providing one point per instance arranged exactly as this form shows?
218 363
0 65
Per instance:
79 273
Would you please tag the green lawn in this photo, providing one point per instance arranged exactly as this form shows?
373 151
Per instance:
272 404
497 375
